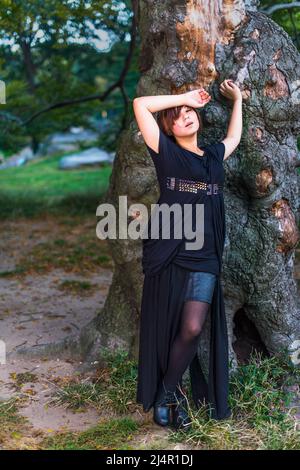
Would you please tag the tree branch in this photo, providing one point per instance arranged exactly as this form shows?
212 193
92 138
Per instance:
101 97
280 6
118 84
82 99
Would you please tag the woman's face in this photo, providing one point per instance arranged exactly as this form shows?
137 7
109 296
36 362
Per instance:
187 122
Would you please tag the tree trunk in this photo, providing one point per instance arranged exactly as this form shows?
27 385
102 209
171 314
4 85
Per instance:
28 64
30 71
188 45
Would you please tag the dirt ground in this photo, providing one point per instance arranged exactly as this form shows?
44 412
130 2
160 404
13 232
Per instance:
36 310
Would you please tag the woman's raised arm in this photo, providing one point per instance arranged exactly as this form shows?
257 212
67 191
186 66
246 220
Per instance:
143 108
229 89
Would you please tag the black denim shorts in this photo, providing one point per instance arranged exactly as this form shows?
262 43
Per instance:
200 286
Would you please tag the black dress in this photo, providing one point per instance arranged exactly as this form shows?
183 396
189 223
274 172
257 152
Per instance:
166 266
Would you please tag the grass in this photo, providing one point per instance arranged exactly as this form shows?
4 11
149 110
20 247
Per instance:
75 250
257 396
22 378
258 399
113 389
107 434
112 434
40 186
12 424
82 253
72 286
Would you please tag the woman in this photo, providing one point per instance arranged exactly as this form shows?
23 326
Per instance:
181 283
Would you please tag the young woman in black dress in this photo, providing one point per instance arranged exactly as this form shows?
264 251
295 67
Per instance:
172 335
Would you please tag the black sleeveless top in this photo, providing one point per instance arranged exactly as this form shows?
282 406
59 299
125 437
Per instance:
173 160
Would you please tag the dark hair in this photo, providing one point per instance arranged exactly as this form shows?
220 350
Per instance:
166 117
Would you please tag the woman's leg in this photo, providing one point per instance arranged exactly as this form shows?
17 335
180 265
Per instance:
186 341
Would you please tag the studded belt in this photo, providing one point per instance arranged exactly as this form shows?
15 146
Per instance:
192 186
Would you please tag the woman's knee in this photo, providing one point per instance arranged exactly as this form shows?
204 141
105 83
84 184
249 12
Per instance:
191 332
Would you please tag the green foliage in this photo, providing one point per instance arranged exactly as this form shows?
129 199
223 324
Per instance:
287 18
55 51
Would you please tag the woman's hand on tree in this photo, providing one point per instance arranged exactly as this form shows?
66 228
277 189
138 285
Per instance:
197 98
230 90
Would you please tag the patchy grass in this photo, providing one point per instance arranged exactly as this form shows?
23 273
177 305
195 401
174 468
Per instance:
258 399
82 254
22 378
76 249
40 186
108 434
259 402
13 272
77 287
78 255
114 388
12 424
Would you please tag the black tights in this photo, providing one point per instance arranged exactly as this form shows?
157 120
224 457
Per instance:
186 341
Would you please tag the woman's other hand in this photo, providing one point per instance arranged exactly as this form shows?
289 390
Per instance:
230 90
196 98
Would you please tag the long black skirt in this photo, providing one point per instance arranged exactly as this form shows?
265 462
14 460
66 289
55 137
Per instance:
161 308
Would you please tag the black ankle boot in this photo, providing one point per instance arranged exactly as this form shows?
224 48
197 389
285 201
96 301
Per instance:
180 417
161 409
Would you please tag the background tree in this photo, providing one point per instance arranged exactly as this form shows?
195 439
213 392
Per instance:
57 69
286 14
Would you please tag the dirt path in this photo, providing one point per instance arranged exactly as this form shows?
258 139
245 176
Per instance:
34 310
49 289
